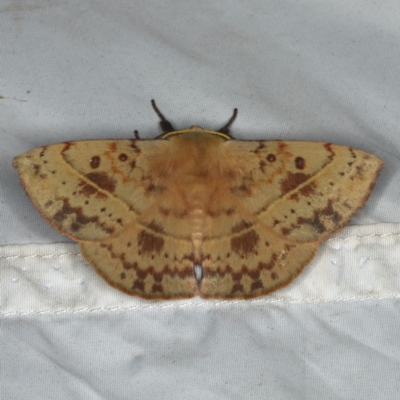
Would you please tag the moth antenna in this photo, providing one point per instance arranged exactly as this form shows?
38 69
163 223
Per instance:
225 128
165 124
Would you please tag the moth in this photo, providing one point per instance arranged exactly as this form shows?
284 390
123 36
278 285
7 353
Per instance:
195 212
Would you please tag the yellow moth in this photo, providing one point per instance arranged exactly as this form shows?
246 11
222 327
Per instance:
147 212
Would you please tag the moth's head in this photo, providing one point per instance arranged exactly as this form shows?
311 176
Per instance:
195 132
169 131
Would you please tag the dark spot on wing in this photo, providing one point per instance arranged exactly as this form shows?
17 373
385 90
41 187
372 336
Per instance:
308 190
300 163
316 222
79 218
95 162
102 180
292 181
245 244
149 243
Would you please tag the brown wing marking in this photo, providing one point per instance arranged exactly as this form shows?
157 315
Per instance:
145 263
251 263
68 200
324 203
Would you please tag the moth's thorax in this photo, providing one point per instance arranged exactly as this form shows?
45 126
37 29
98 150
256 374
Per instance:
195 169
194 164
196 142
193 158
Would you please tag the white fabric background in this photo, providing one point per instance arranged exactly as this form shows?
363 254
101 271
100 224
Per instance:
297 70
